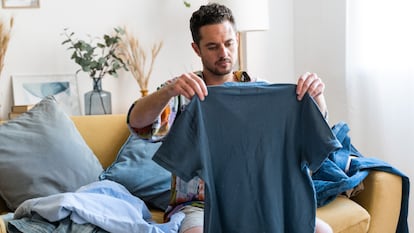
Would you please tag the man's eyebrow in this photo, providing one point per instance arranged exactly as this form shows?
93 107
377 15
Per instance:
214 43
210 44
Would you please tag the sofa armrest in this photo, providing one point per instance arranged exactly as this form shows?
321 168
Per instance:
381 197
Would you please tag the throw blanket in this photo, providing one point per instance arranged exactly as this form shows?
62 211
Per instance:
104 204
339 173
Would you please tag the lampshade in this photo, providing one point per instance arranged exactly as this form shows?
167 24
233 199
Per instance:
250 15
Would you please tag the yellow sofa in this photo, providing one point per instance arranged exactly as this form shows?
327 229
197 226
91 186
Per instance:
375 210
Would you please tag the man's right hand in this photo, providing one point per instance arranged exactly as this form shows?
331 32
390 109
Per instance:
148 108
188 85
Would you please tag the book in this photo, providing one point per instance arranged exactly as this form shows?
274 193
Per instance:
13 115
21 108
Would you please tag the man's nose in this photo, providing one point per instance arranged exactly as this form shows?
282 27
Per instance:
223 51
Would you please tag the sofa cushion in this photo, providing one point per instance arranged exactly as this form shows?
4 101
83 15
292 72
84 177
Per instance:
42 153
345 216
135 169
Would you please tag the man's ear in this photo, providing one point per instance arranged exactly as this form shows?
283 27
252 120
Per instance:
196 49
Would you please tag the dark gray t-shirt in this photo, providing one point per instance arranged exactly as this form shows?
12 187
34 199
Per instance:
252 145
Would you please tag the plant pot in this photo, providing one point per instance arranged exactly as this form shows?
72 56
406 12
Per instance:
98 101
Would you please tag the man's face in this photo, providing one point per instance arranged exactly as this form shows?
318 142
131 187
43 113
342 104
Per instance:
218 48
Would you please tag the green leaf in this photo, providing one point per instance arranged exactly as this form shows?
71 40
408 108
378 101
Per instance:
66 41
96 58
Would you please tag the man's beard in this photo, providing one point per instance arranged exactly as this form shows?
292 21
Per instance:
215 71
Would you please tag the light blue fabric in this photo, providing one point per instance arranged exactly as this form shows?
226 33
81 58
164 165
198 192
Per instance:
105 204
136 171
332 178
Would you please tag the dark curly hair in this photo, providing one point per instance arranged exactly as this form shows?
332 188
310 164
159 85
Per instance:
212 13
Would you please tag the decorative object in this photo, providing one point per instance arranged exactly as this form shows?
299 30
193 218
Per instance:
17 110
134 55
20 3
98 101
31 89
5 33
43 139
98 58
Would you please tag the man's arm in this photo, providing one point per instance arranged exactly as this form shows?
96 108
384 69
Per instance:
148 108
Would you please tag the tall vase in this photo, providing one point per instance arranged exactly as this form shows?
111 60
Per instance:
144 92
97 101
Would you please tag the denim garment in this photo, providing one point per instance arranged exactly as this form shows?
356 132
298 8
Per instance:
331 179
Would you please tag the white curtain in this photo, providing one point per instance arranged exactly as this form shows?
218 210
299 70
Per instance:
380 81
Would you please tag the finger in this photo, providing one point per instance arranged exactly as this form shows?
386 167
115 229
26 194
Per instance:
316 88
190 85
304 83
176 87
301 80
184 87
200 86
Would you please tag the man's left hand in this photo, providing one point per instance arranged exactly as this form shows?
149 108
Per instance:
310 83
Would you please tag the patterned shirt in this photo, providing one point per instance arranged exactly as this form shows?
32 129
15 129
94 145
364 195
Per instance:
182 193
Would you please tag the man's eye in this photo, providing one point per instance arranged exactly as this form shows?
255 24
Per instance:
211 47
230 43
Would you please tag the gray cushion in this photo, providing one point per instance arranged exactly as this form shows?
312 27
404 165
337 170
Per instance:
135 169
42 153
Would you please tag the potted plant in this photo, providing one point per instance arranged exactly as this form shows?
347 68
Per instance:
98 58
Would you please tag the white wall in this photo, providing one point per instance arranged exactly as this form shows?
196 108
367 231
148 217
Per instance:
321 34
303 36
269 54
35 46
320 37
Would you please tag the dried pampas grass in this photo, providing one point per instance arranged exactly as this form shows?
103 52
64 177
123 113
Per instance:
133 54
5 33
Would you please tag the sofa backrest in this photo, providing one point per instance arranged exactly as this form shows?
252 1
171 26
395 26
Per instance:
104 134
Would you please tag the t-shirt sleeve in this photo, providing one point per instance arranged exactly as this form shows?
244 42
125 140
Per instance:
160 127
318 139
181 149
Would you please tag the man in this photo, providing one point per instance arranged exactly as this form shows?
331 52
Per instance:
215 41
